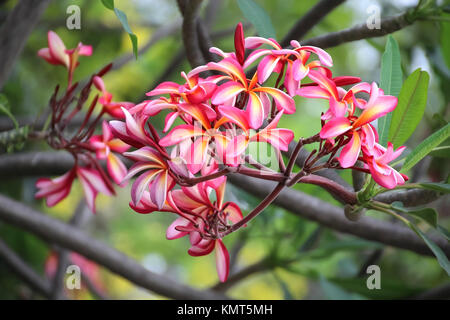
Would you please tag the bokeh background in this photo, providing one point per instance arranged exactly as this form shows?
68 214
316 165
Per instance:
332 269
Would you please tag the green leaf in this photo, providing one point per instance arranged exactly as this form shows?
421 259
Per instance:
445 44
258 17
124 21
440 255
391 82
6 109
426 146
412 101
444 232
108 4
429 215
440 187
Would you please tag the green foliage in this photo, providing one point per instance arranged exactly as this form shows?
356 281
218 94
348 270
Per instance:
440 255
258 17
391 82
109 4
429 215
426 146
412 101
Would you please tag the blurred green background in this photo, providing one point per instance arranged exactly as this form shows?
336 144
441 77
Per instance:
332 266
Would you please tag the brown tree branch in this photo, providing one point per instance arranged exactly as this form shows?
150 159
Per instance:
189 9
24 271
14 33
326 214
55 231
299 203
359 32
310 19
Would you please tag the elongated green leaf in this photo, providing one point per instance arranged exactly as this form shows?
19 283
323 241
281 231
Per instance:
440 187
108 4
255 14
391 82
429 215
444 232
445 44
412 101
440 255
124 21
426 146
6 109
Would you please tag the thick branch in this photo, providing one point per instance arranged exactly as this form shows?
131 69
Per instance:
189 10
310 19
14 33
409 197
312 208
57 232
23 270
388 25
52 163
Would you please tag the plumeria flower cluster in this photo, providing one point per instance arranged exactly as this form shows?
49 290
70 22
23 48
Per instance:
213 117
86 148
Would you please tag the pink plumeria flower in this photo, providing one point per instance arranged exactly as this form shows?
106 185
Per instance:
105 145
57 189
114 109
57 54
196 200
378 164
277 58
279 138
341 101
358 127
196 153
93 183
155 178
258 102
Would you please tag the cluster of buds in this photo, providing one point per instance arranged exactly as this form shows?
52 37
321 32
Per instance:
213 118
86 148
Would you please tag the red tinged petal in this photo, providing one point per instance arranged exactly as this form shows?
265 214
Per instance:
92 183
255 111
57 48
233 212
299 70
203 248
239 43
282 100
170 119
324 57
237 116
158 189
45 54
172 233
350 152
84 50
180 133
324 82
197 112
196 154
378 108
230 67
165 88
138 167
313 92
227 91
119 130
266 67
141 185
335 127
254 42
116 168
346 80
222 260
